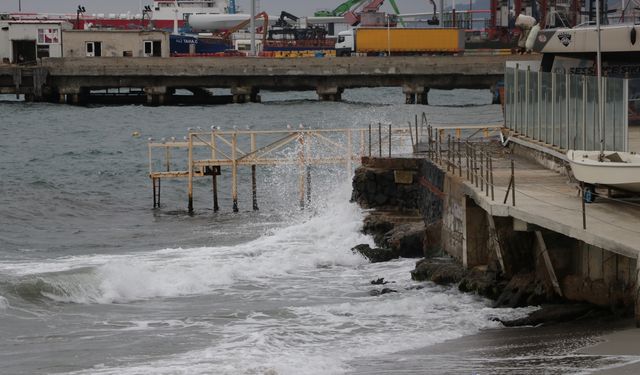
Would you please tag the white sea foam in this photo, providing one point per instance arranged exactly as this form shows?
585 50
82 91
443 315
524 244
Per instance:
324 339
323 240
4 303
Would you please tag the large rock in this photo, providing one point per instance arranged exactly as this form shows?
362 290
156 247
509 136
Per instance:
375 255
483 282
442 271
525 290
556 314
407 240
377 225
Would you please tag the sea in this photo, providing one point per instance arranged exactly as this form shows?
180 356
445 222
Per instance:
95 280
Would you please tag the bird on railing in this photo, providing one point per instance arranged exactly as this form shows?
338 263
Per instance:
173 139
289 126
150 139
301 126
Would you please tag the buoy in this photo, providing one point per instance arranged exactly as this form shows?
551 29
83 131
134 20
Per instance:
135 134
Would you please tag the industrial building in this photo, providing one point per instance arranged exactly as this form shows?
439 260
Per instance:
116 43
27 41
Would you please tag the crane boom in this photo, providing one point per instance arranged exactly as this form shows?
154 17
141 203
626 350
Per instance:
340 9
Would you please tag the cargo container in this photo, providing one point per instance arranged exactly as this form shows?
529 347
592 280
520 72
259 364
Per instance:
400 41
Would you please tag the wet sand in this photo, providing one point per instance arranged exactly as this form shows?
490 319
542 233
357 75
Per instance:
621 343
586 346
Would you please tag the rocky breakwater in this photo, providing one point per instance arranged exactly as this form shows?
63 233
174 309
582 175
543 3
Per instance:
389 188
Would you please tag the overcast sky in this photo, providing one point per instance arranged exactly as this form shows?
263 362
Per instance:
299 7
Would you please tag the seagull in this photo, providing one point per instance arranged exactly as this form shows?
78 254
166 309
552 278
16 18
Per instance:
235 127
190 129
185 137
213 127
199 128
173 139
218 128
301 126
163 140
150 139
288 126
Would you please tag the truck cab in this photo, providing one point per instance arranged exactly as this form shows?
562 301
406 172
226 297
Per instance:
346 43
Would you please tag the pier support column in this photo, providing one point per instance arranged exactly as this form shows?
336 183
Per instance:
637 293
416 94
423 98
156 95
329 93
245 94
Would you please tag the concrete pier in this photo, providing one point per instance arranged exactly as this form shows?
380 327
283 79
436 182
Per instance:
540 234
159 78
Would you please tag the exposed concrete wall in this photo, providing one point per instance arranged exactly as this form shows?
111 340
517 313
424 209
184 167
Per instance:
114 43
454 220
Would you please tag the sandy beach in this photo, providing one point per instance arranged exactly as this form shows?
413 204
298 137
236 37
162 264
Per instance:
580 347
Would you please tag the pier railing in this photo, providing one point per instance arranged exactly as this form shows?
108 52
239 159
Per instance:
470 158
561 110
204 154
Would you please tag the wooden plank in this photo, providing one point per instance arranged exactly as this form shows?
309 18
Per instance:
547 261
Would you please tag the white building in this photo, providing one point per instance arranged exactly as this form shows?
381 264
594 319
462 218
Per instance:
115 43
26 41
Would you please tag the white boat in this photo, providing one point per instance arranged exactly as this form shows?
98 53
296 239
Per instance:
619 170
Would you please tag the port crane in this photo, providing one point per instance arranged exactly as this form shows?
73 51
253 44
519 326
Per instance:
340 10
353 17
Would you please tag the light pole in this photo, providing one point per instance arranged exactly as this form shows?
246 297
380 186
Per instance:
253 27
79 11
20 6
388 36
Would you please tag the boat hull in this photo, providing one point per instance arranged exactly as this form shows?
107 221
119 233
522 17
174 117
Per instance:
620 170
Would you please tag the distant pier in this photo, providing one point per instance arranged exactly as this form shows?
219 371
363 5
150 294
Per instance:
154 81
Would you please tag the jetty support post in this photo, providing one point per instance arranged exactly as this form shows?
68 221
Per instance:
389 140
214 175
362 142
301 169
379 140
234 171
254 184
637 293
349 153
369 139
153 183
190 166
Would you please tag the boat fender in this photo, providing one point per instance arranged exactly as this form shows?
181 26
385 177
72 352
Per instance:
632 36
531 38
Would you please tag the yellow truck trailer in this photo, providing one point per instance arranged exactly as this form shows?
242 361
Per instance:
400 41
